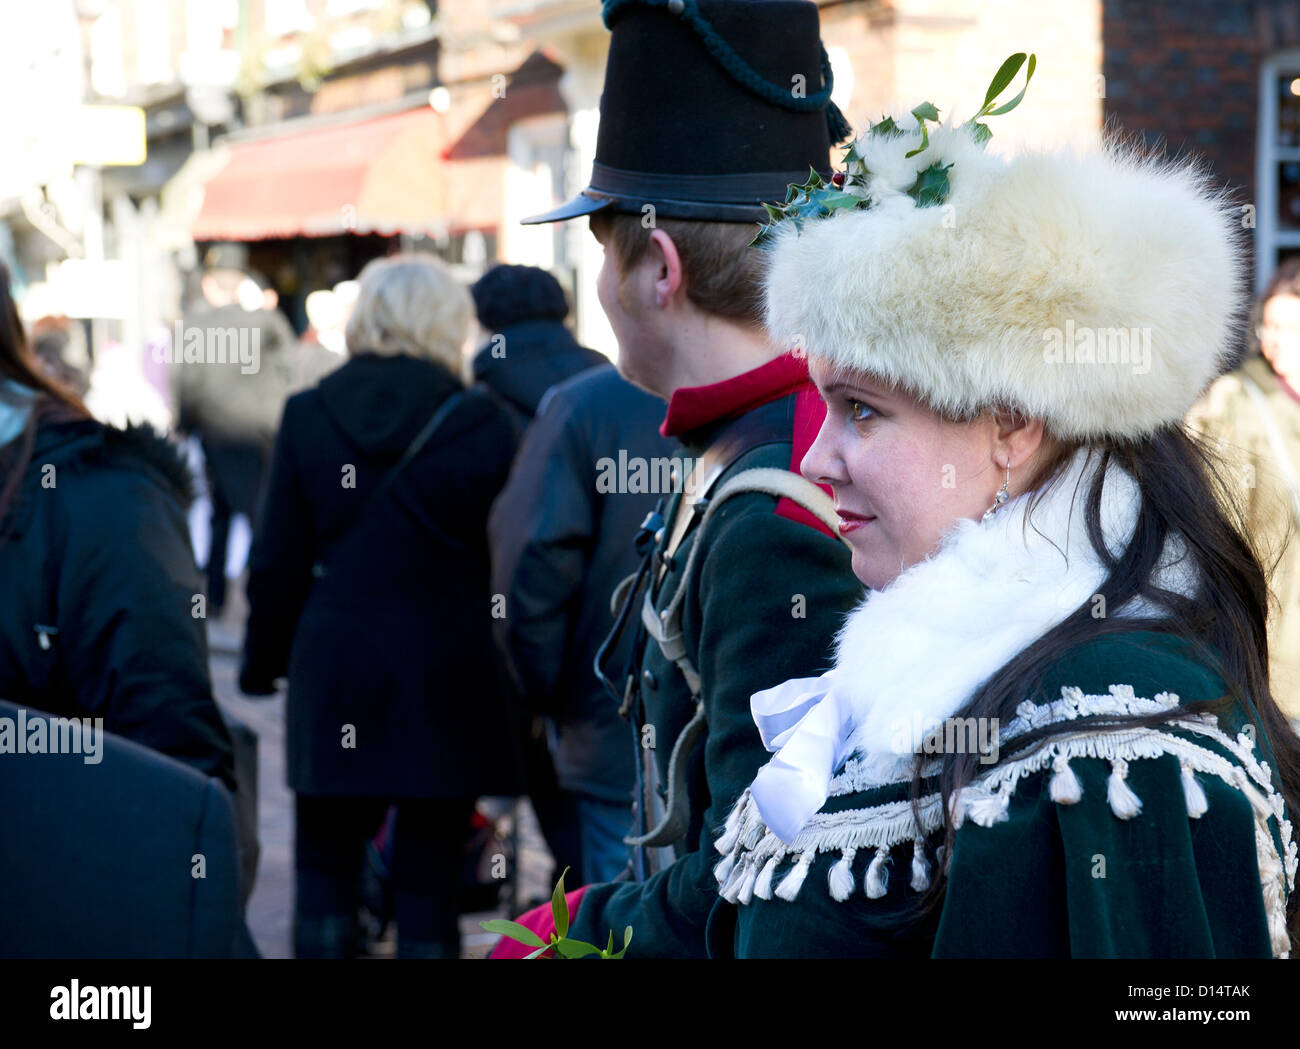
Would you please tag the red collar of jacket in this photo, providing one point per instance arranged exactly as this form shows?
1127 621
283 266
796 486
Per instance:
692 407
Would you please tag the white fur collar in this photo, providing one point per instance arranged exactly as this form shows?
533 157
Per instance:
918 649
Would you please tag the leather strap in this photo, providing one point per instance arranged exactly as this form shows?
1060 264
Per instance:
666 629
767 424
321 567
665 625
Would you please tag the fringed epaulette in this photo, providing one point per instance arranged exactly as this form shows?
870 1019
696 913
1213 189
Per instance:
757 863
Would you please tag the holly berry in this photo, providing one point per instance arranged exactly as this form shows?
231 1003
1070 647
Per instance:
838 179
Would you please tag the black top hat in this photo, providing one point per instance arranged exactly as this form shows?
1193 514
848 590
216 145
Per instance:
710 108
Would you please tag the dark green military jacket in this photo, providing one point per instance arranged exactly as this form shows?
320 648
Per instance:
1166 842
766 597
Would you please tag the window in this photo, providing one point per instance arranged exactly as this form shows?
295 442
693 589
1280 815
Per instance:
1277 172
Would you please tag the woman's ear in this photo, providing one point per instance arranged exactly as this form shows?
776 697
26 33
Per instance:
667 264
1016 438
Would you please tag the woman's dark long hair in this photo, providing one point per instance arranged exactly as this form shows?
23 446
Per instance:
53 403
1185 492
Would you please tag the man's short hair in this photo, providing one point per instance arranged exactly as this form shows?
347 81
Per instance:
723 274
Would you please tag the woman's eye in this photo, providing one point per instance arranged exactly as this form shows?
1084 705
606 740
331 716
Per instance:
860 412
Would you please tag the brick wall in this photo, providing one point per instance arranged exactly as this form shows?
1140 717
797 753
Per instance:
1185 72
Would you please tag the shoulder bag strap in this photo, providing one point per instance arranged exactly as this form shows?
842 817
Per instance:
413 449
666 626
419 441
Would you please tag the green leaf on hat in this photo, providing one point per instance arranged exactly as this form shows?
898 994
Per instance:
1029 75
926 111
980 133
838 199
925 143
1005 74
885 127
931 186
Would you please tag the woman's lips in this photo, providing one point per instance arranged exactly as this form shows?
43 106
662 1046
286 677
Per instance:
851 522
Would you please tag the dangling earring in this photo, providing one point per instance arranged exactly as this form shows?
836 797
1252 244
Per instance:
1002 495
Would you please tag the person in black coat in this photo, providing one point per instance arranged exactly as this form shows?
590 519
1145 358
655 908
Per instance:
101 618
528 352
529 349
560 545
369 587
102 603
164 881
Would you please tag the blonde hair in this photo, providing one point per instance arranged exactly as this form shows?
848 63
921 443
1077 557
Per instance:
410 304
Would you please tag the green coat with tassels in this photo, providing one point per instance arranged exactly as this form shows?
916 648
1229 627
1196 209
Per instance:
764 601
1166 842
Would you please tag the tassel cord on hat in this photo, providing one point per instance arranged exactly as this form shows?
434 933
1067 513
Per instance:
746 75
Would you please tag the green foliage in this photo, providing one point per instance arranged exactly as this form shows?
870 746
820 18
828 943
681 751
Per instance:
817 199
814 199
931 186
560 943
1001 79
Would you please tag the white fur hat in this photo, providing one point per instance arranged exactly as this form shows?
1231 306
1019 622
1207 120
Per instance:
1096 291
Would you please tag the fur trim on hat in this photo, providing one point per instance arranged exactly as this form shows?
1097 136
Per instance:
1096 291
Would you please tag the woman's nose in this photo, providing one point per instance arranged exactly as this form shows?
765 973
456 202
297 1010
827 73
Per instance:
821 463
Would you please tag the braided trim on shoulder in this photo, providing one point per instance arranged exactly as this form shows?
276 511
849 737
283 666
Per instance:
752 853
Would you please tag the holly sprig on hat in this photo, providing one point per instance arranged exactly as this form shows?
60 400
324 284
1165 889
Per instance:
847 189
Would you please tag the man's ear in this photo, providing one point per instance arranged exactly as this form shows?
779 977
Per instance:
668 276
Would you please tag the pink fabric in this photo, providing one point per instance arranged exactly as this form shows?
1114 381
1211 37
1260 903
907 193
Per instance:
809 411
541 921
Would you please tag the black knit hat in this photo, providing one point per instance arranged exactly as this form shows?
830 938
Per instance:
710 108
507 295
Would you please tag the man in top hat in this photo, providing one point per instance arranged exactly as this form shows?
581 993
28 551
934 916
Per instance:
709 109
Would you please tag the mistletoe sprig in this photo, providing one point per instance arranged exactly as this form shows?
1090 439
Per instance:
560 942
847 189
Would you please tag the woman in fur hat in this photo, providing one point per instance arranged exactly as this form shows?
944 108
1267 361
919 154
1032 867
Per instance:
1048 730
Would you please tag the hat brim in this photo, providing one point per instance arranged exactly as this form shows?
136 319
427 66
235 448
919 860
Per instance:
582 204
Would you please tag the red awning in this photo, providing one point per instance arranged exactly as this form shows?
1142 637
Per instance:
377 176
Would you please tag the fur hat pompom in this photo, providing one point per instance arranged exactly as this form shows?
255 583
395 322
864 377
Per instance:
1096 291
